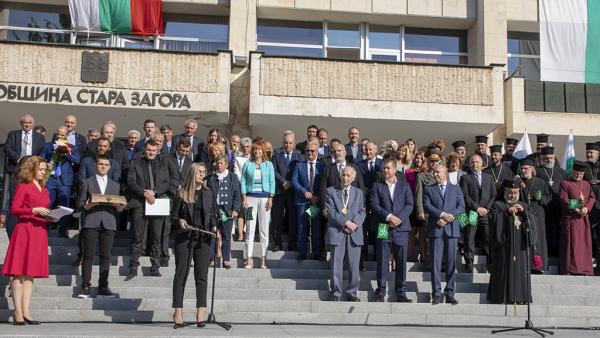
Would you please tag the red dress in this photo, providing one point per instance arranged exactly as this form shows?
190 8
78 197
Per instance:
27 253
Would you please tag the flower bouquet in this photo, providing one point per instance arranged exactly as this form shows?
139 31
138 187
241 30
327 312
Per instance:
61 148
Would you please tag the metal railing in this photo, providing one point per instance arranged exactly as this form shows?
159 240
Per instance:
103 39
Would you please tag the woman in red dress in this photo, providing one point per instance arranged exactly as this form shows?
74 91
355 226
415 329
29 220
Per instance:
27 254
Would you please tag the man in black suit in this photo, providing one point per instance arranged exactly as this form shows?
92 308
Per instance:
99 225
370 170
481 148
191 126
479 191
331 174
353 147
283 201
311 131
182 161
149 130
324 148
328 159
74 137
23 142
149 178
117 151
88 165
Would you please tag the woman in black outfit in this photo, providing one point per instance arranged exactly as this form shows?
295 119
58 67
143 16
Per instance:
194 206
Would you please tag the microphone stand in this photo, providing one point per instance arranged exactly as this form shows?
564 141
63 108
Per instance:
528 322
211 316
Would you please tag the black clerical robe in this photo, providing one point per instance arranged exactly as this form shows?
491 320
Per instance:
499 173
537 194
508 248
553 210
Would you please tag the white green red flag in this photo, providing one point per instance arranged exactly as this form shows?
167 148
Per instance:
569 155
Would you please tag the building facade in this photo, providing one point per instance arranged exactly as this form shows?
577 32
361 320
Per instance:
394 68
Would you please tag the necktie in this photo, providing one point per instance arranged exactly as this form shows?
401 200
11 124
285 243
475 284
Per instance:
311 176
287 158
370 166
443 189
151 176
478 179
180 163
191 153
345 195
24 144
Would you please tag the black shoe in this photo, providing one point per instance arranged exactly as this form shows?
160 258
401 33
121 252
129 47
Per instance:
31 321
155 273
84 292
291 248
469 268
178 325
436 300
164 262
403 299
19 323
105 292
77 262
132 273
537 272
301 257
451 300
334 298
323 258
201 324
353 299
379 298
361 266
276 248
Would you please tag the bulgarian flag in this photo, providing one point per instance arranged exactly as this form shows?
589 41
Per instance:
570 40
569 155
142 17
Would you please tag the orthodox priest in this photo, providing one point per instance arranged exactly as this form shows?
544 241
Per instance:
509 247
592 175
498 169
553 175
536 194
577 200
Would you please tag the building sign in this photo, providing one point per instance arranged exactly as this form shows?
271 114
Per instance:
93 96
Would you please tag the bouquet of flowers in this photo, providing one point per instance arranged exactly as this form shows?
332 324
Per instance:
61 149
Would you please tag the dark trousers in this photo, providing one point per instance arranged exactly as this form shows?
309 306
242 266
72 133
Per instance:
60 195
442 249
164 243
284 212
91 237
470 231
225 231
397 246
306 225
189 246
141 225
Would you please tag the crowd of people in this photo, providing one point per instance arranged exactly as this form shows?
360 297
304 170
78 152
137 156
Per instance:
359 200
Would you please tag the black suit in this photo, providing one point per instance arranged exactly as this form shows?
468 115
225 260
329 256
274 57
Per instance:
100 223
12 148
477 196
181 169
331 177
195 143
138 180
302 147
349 155
283 210
369 177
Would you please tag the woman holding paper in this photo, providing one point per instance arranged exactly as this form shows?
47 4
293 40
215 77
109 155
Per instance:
258 188
194 210
27 254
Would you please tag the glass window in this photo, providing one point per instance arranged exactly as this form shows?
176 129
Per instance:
205 28
37 19
138 43
384 57
343 53
384 37
291 51
454 41
343 35
524 55
523 43
436 58
290 32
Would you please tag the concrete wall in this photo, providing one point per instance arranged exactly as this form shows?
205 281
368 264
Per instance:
487 37
375 81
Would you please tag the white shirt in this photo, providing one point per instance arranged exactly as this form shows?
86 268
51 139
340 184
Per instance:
314 165
443 187
180 161
30 133
391 188
71 138
453 177
102 183
340 166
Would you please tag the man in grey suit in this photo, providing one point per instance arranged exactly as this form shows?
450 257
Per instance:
443 202
99 225
346 213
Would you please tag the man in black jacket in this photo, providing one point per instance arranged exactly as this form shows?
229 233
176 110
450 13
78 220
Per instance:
149 178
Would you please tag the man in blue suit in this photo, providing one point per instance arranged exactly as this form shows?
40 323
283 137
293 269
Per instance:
345 215
305 182
88 164
370 169
61 180
283 201
149 130
443 202
392 203
22 142
353 147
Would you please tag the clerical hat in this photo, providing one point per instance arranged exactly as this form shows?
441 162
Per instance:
481 139
547 150
512 141
457 144
527 161
496 149
511 183
542 138
579 166
592 146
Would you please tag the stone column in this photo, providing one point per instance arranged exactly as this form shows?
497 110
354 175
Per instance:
488 36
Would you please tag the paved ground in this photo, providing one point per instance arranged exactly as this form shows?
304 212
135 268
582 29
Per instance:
165 330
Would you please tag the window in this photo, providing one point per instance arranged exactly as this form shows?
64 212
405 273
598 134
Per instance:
435 46
384 43
196 34
46 27
343 41
524 55
296 38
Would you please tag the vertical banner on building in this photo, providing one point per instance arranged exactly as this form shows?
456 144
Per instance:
569 43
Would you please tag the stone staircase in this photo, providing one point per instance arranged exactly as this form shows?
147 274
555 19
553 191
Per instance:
294 292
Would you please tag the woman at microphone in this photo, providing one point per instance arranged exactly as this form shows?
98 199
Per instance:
194 209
